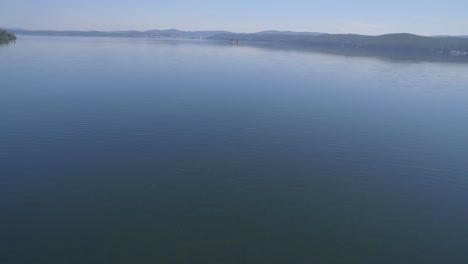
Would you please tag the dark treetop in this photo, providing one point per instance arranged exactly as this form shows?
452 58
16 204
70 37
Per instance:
6 37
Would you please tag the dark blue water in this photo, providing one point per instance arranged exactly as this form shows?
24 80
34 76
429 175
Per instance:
161 151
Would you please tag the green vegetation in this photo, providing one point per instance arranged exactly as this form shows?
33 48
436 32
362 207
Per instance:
406 43
6 37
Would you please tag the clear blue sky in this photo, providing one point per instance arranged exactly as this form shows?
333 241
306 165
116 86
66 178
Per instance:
423 17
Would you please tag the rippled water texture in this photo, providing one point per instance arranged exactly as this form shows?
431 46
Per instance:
162 151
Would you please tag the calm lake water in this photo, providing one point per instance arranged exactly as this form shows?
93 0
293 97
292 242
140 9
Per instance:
117 150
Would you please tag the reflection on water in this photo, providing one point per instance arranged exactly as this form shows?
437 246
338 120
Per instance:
145 151
6 43
384 54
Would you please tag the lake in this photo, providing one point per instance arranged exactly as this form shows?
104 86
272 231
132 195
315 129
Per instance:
116 150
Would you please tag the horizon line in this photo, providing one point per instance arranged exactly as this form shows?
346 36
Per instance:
292 31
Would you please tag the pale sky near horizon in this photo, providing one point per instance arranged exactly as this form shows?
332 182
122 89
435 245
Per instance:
371 17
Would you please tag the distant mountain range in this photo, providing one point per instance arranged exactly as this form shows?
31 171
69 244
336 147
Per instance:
289 33
169 33
449 36
155 33
182 34
401 42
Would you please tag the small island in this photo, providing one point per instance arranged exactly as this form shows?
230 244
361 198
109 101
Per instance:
6 37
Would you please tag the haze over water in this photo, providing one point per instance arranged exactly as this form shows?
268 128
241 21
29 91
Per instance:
117 150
